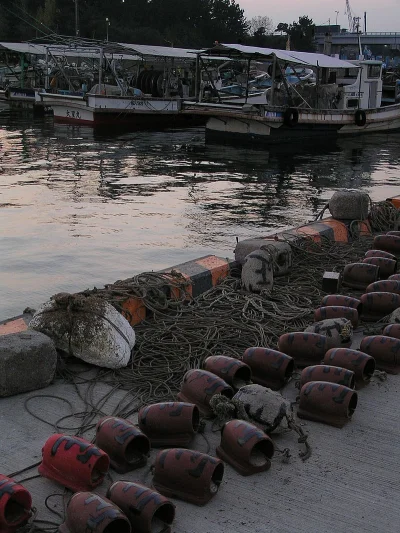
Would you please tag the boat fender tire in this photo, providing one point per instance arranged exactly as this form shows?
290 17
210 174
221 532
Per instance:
360 118
291 117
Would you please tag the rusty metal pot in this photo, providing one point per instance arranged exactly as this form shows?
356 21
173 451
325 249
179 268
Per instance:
305 348
327 402
332 374
127 447
73 462
199 386
388 243
147 510
362 364
324 313
360 275
188 475
15 505
341 301
270 368
385 351
88 512
387 267
169 423
234 372
376 305
245 447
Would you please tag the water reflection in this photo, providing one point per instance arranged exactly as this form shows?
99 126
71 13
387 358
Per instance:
80 208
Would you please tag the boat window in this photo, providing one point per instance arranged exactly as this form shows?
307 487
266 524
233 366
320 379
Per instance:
353 102
374 71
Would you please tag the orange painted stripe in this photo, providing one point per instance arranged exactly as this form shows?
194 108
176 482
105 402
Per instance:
134 310
218 267
395 201
14 326
307 231
340 231
176 292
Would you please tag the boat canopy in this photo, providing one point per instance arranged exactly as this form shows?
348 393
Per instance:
240 51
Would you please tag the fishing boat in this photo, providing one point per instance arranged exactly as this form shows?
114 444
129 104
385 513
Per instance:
345 99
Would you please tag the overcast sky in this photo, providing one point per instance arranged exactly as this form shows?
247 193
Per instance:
382 15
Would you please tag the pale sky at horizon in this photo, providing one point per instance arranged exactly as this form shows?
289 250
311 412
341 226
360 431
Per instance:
382 15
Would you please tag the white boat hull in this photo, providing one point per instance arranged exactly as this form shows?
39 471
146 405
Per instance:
269 126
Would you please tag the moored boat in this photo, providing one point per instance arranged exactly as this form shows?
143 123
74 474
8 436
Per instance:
346 99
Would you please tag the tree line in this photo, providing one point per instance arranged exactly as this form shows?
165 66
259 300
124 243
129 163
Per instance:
178 23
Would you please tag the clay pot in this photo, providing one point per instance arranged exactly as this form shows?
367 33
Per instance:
341 301
379 253
188 475
15 505
387 285
73 462
327 402
324 313
169 423
199 386
88 512
387 267
360 275
332 374
385 351
147 510
397 233
245 447
388 243
362 364
396 277
392 330
377 305
305 348
125 444
234 372
270 368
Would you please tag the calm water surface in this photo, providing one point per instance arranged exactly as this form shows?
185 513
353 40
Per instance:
79 209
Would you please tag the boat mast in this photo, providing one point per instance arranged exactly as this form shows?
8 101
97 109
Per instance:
76 18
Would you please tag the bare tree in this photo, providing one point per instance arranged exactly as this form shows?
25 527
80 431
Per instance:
260 25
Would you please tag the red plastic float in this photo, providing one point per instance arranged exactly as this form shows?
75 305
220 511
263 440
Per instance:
379 253
332 374
362 364
360 275
388 243
387 285
270 368
125 444
323 313
341 301
73 462
387 267
88 512
188 475
199 386
169 423
245 447
147 510
392 330
327 402
236 373
385 351
305 348
376 305
15 505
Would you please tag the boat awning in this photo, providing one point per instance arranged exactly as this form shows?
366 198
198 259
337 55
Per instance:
240 51
160 51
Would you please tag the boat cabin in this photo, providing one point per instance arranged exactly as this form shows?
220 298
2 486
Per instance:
360 87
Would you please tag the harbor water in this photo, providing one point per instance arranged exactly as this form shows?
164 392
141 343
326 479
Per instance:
79 208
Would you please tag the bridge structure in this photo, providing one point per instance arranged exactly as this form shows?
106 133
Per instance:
343 40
